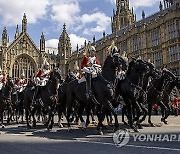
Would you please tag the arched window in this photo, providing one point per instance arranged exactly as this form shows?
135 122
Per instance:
23 64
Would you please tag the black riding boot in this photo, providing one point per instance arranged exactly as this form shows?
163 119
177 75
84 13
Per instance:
17 97
89 85
36 93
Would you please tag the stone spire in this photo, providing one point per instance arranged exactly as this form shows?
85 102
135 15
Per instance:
104 34
94 39
4 37
42 43
160 6
24 24
64 45
17 32
123 16
143 15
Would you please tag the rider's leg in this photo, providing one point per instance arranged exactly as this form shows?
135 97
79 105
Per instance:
17 96
36 93
89 85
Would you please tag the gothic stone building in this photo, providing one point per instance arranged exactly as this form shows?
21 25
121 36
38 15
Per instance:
23 56
156 37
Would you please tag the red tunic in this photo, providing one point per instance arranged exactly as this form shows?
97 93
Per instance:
17 82
39 74
3 79
85 62
175 101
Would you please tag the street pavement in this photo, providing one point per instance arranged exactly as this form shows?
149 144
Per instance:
17 139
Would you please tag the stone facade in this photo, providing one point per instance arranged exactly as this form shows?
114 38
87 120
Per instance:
156 37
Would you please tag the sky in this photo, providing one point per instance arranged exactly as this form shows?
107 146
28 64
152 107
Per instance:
84 18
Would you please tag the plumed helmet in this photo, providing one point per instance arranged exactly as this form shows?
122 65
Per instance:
111 47
124 56
92 48
114 50
46 63
23 74
76 67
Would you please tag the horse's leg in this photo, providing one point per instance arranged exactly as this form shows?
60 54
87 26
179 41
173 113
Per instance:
92 115
1 115
124 112
101 117
166 111
80 112
60 112
33 116
129 115
50 118
149 113
138 123
68 118
88 112
27 118
112 110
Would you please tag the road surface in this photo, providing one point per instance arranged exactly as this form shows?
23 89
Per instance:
17 139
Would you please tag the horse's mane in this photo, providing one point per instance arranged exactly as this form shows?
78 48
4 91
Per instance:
131 64
107 61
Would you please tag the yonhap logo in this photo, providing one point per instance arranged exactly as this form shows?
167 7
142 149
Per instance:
121 138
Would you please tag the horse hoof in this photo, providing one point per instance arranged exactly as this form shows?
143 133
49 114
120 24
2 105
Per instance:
94 122
83 125
165 122
87 123
136 130
60 125
28 127
152 125
139 126
100 132
69 129
125 123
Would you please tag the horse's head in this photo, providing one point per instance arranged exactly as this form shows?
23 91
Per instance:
70 76
177 83
139 65
119 61
56 72
9 82
153 72
168 75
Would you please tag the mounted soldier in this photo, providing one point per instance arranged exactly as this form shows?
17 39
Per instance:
112 50
20 85
76 70
2 80
91 67
41 80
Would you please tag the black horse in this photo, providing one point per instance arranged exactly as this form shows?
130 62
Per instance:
131 86
102 90
61 106
155 92
152 74
49 98
18 105
5 100
166 97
